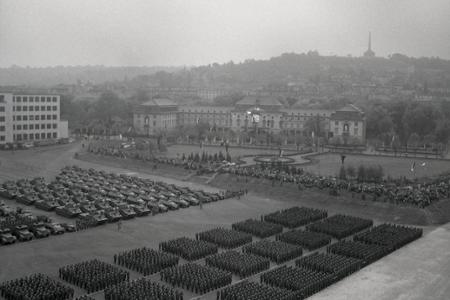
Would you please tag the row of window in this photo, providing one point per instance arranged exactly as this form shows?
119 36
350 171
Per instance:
34 126
2 108
336 123
34 99
34 136
2 138
35 108
35 117
2 119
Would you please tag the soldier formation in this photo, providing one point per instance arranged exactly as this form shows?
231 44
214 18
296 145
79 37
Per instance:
141 289
276 251
246 290
295 216
257 228
307 239
225 238
35 287
188 249
145 260
196 278
241 264
340 226
93 275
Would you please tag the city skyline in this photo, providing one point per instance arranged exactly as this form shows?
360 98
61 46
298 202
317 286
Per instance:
175 33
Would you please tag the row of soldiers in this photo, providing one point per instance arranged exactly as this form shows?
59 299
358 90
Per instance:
276 251
340 226
188 249
337 265
93 275
307 239
295 216
196 278
247 290
391 236
306 282
260 229
224 238
35 287
240 264
145 260
141 289
366 252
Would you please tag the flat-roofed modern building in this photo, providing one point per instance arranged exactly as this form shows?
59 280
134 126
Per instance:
26 117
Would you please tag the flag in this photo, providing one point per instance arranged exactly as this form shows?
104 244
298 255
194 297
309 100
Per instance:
413 166
423 164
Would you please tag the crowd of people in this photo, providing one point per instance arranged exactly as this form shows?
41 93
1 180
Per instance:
141 289
225 238
340 226
400 191
241 264
93 275
304 281
276 251
389 235
196 278
295 216
35 287
257 228
337 265
365 252
248 290
145 260
307 239
188 249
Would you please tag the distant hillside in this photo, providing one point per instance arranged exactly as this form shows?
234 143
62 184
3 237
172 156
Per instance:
50 76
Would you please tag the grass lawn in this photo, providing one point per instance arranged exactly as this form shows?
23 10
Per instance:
330 163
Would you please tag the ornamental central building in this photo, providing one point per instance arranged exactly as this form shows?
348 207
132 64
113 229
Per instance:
261 115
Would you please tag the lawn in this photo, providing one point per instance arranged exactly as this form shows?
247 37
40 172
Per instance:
330 163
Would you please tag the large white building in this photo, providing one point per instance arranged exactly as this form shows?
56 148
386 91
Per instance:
30 118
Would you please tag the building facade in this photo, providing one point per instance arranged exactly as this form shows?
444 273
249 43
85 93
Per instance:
253 114
30 118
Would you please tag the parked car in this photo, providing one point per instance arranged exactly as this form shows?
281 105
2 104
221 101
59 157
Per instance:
6 237
55 228
68 227
22 233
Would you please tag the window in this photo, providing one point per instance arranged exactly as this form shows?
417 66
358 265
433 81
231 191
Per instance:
31 118
31 136
49 135
55 135
49 126
42 117
31 126
36 117
19 99
355 131
42 108
31 108
2 108
54 107
2 138
25 118
54 99
19 127
42 126
36 108
31 99
2 128
49 108
55 117
24 108
25 136
36 136
54 125
14 127
42 135
25 99
2 119
19 118
49 117
18 108
356 124
42 99
25 127
336 123
19 137
49 99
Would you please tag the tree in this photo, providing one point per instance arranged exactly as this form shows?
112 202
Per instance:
420 119
351 172
413 140
443 130
378 121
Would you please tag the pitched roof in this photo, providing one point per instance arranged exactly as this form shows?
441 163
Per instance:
349 113
261 101
159 102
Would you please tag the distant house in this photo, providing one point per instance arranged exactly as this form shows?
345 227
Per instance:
349 125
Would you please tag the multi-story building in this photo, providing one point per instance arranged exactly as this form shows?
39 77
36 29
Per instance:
253 113
26 117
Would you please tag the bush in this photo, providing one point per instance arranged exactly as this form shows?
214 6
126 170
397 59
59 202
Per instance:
351 172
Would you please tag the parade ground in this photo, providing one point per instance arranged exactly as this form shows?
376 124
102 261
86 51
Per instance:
420 270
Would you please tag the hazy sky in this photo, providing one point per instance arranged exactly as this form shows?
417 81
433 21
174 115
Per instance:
194 32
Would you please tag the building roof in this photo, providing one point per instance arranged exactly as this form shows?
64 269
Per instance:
348 113
259 101
159 102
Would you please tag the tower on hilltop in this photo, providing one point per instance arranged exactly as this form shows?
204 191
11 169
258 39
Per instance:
369 52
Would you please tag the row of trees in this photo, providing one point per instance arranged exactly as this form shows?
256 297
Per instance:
411 124
206 157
